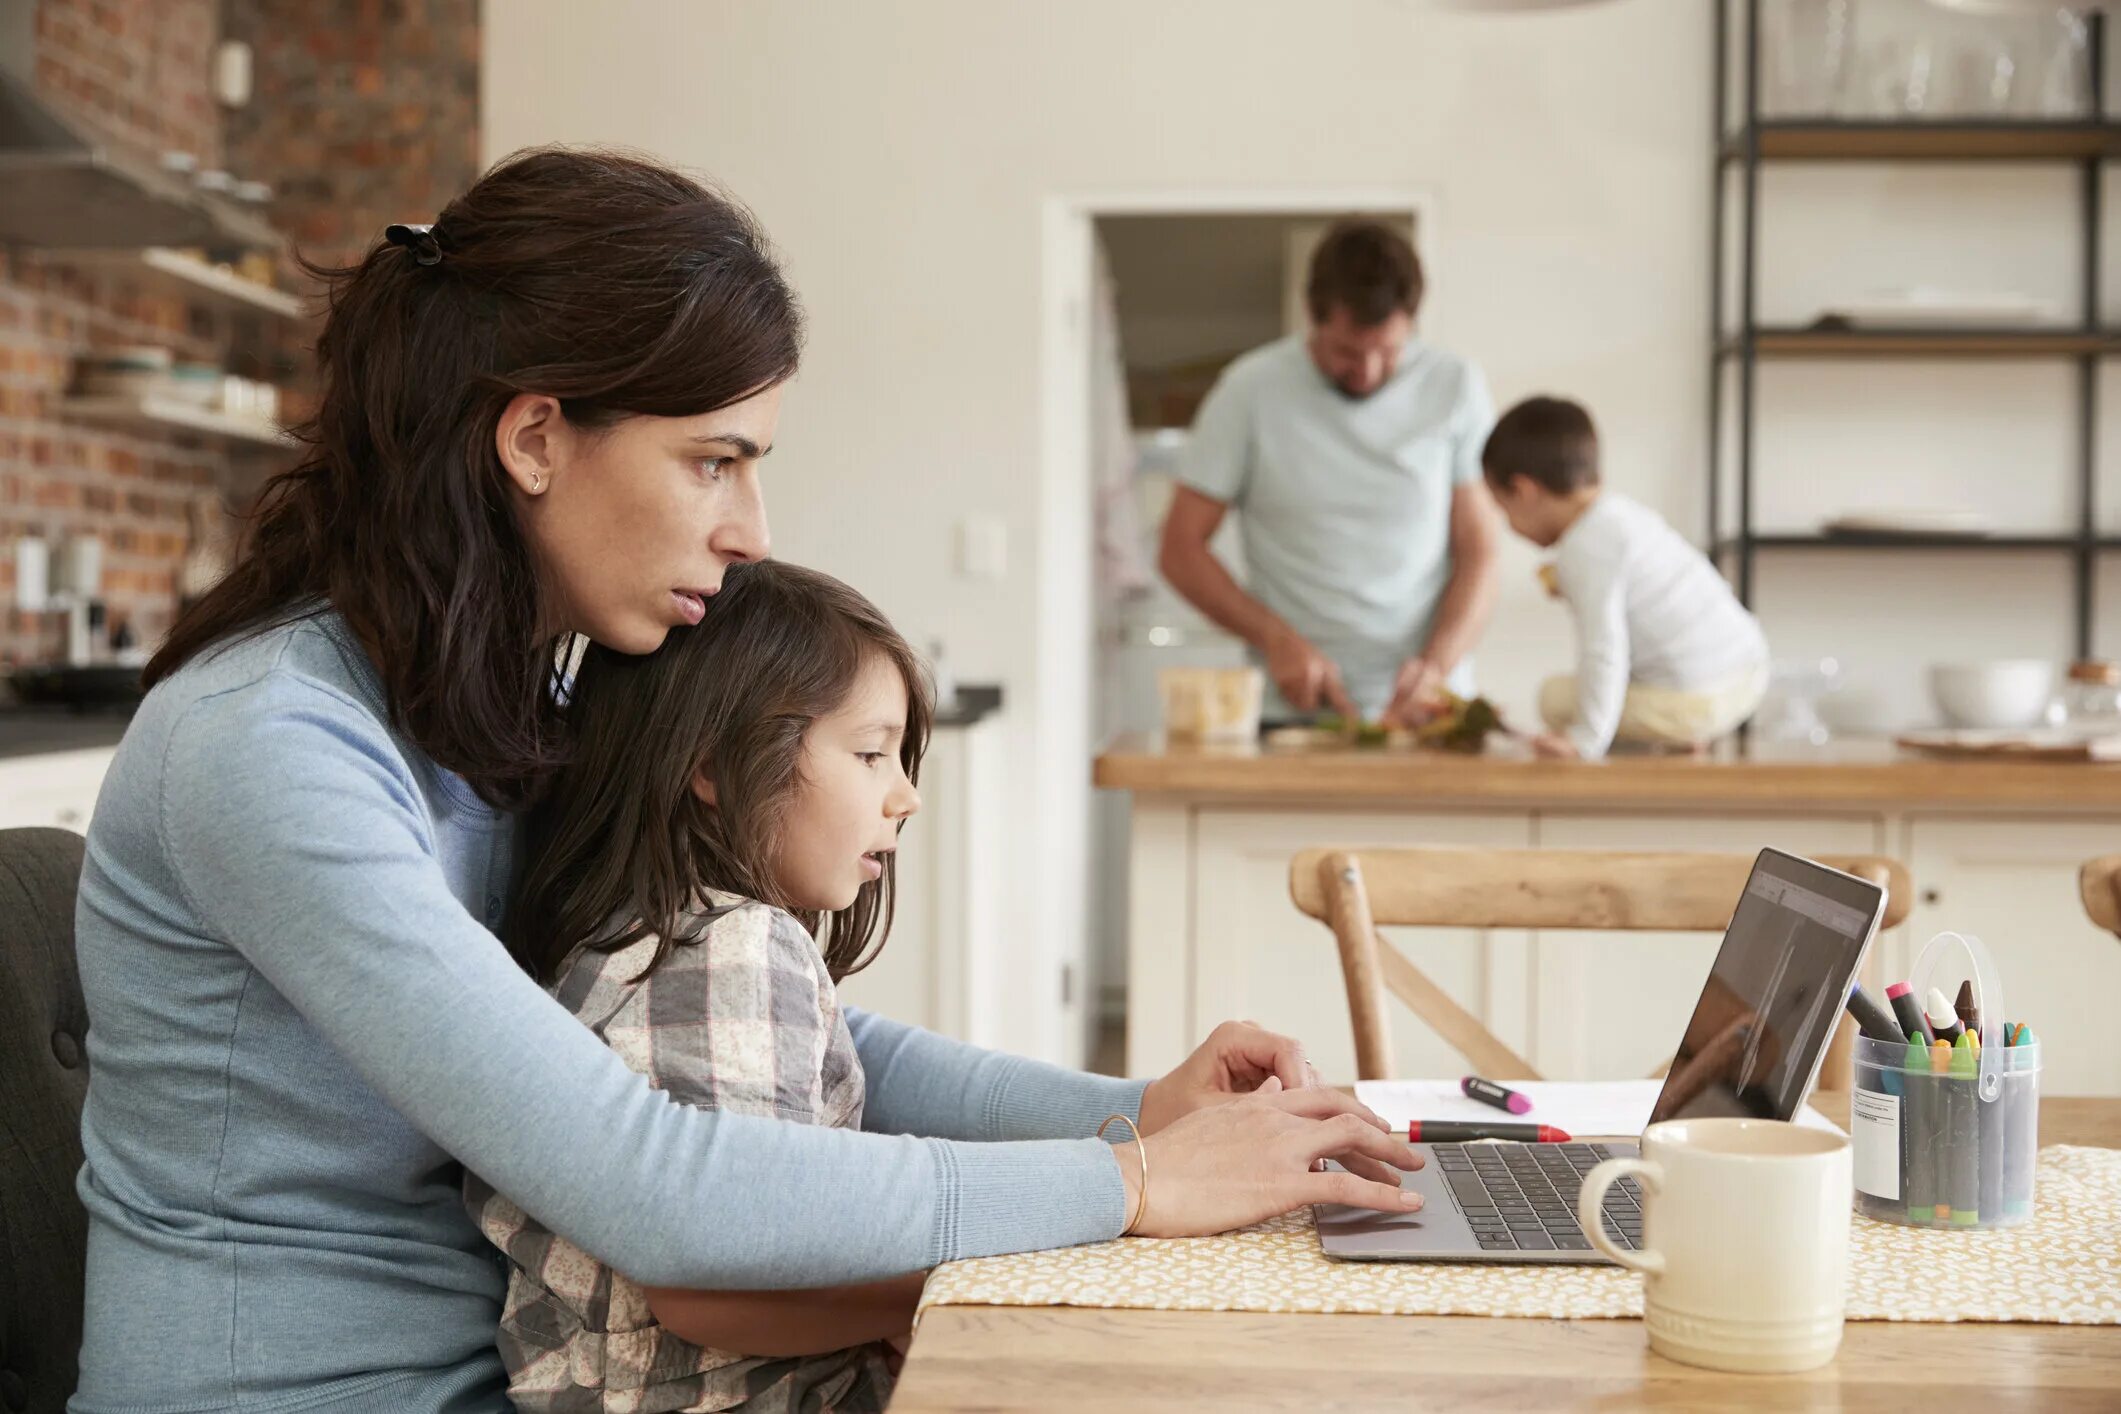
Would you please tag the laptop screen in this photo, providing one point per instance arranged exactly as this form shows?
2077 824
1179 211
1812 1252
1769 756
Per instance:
1774 993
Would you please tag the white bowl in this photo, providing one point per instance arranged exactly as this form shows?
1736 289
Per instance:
2013 693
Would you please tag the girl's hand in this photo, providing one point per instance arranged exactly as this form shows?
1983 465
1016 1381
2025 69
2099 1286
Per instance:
1236 1059
1233 1164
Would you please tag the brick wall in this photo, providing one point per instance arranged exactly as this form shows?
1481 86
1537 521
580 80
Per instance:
364 112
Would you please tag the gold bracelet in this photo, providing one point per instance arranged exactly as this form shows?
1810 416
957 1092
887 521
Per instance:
1141 1151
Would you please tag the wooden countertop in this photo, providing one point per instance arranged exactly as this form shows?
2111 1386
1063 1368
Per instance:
1856 774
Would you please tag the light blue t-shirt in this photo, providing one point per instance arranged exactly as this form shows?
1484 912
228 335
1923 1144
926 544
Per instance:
1344 504
300 1026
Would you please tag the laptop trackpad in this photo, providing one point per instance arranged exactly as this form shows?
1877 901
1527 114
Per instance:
1438 1221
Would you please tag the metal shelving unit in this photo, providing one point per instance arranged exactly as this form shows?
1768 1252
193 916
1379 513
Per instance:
2088 144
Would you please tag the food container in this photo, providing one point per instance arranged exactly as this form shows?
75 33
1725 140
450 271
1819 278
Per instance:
1211 704
1947 1142
2092 696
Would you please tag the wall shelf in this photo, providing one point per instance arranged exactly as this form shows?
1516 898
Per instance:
167 271
164 415
1921 343
1851 141
1738 344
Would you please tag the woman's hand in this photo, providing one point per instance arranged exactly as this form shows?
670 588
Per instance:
1233 1164
1236 1059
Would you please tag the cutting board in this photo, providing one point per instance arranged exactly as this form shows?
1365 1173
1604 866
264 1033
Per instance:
2035 744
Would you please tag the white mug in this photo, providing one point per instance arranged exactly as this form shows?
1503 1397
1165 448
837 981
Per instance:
1745 1240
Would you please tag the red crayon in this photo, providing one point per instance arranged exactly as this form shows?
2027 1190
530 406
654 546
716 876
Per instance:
1458 1131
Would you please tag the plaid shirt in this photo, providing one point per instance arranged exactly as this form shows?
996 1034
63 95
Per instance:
745 1018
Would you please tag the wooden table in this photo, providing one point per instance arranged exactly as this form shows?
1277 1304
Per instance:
995 1358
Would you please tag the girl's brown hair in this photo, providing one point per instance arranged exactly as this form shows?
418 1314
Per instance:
621 847
607 281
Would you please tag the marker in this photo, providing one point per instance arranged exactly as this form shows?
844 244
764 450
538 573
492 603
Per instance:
1965 1138
1944 1022
1916 1151
1941 1129
1963 1004
1489 1093
1908 1012
1872 1019
1453 1131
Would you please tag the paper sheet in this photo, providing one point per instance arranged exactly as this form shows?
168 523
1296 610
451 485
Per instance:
1584 1108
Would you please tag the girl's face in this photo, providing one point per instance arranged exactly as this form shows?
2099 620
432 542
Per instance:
632 525
854 795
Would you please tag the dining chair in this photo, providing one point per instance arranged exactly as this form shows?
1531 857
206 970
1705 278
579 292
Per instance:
2099 881
1355 891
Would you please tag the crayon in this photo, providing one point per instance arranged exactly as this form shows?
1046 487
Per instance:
1916 1169
1872 1019
1965 1134
1963 1005
1908 1012
1940 1131
1944 1022
1489 1093
2021 1124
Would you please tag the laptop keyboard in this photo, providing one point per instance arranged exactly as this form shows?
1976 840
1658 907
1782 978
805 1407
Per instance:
1522 1197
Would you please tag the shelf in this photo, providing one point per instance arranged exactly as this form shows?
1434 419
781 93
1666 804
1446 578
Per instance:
1927 343
1917 542
1789 141
165 415
170 272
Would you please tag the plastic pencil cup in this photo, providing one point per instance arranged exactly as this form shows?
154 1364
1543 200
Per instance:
1947 1136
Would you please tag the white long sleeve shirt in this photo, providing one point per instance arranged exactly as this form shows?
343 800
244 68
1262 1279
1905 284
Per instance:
1649 609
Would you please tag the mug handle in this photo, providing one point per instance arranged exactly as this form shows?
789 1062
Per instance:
1595 1183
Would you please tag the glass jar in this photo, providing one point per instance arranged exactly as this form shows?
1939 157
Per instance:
2092 696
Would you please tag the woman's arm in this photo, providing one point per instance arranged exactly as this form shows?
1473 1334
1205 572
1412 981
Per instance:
788 1323
300 839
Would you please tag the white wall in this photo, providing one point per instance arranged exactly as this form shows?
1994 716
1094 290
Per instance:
900 152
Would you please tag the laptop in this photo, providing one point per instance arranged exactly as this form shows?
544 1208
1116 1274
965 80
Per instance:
1752 1047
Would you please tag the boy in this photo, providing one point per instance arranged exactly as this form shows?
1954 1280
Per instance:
1666 655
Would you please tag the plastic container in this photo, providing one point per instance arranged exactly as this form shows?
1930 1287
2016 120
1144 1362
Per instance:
1948 1142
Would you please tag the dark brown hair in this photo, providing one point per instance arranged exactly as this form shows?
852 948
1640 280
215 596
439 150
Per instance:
1549 440
605 280
621 847
1366 268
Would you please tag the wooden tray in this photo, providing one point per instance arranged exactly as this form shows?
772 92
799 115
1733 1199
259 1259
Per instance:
2033 744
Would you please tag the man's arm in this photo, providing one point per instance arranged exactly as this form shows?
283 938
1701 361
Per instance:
1468 602
1305 676
789 1323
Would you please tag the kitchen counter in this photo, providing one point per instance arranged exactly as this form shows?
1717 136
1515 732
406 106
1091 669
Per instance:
36 731
1992 848
1855 774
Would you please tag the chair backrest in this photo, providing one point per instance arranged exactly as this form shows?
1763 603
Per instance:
43 1080
2100 883
1354 891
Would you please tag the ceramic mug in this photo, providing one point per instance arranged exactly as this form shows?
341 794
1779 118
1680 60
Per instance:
1745 1240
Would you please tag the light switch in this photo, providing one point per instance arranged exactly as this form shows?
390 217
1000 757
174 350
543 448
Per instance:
982 547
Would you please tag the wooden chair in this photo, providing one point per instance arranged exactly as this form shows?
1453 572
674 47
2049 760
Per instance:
1353 891
2100 883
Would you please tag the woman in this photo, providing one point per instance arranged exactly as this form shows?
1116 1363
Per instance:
543 416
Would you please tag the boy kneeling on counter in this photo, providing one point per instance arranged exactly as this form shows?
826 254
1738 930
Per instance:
1665 653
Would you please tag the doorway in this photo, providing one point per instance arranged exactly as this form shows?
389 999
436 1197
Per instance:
1149 299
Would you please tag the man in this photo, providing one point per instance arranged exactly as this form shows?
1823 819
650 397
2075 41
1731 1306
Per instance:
1353 458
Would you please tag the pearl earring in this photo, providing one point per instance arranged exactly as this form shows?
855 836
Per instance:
537 482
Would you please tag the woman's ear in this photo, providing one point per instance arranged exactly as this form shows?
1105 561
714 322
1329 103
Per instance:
528 439
703 787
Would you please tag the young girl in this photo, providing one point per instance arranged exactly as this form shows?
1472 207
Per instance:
716 857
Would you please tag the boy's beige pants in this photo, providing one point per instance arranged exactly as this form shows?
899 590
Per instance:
1664 716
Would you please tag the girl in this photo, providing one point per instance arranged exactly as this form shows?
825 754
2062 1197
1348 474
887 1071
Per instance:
542 415
719 853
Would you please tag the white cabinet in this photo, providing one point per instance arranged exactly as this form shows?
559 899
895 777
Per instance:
2013 883
1611 1005
1254 956
52 788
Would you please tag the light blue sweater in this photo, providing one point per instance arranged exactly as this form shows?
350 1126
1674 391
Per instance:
300 1023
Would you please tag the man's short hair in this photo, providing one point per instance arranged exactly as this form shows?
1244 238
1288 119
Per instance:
1366 268
1550 440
